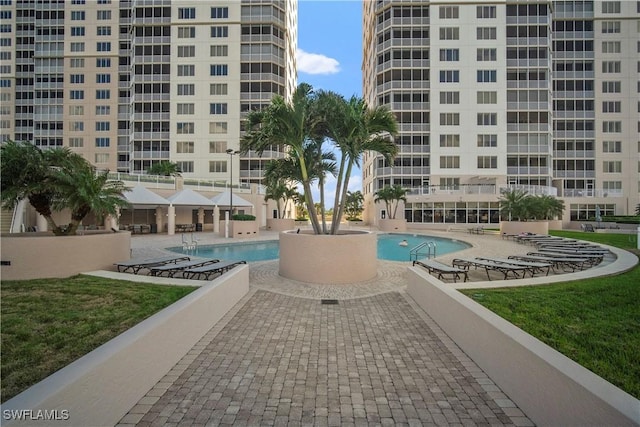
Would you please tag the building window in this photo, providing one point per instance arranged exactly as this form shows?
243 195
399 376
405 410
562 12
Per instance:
613 186
103 142
185 127
76 94
486 76
449 119
219 12
220 31
611 47
218 89
218 108
217 166
449 12
103 31
76 142
219 50
185 166
610 27
611 106
449 76
184 147
610 66
103 94
76 63
103 62
103 46
450 140
449 97
449 33
186 13
485 12
186 89
487 97
612 146
186 51
486 33
76 78
487 162
103 110
76 126
487 119
483 55
103 127
449 162
612 166
186 32
219 69
76 110
186 70
186 109
610 7
217 127
611 87
102 158
449 54
104 15
77 31
217 147
77 47
611 127
103 78
489 140
77 15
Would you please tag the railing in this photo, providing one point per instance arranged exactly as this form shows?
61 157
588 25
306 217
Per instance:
415 252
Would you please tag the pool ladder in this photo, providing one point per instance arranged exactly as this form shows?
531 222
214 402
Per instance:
419 251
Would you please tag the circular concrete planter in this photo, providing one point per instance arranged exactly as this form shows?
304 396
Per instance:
280 224
349 257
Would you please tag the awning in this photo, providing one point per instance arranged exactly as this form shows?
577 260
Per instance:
188 197
224 199
143 197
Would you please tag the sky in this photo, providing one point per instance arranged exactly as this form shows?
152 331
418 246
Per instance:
330 57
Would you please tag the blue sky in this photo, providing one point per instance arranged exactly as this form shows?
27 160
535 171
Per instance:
330 56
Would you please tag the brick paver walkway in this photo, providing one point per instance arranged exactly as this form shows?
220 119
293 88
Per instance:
287 360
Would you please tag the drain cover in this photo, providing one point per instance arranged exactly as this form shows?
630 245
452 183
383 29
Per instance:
328 301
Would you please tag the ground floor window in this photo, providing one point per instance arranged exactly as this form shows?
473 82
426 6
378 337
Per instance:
587 211
453 212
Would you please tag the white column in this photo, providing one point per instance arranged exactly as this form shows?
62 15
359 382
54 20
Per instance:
201 217
160 219
216 219
171 220
41 223
226 224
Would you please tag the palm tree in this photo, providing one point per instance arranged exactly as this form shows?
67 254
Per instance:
84 190
391 196
355 129
291 125
165 168
353 206
550 207
512 204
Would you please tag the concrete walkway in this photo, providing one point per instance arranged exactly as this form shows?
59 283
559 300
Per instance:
281 357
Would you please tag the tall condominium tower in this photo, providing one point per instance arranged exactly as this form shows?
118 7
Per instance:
538 95
133 82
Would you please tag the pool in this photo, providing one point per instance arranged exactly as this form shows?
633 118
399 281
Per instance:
388 248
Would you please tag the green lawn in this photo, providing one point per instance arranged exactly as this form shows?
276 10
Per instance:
595 322
48 323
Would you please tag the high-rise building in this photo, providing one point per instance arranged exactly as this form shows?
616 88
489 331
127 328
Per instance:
131 83
538 95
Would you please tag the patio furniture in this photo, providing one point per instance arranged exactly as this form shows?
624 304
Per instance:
209 270
135 265
505 269
172 269
564 261
535 267
440 269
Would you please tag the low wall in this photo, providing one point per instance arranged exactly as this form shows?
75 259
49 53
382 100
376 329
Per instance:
550 388
243 228
280 224
101 387
393 225
329 259
517 227
42 255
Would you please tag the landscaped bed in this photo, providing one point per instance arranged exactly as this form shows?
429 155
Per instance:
49 323
595 322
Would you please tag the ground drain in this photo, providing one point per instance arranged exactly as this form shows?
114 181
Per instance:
328 301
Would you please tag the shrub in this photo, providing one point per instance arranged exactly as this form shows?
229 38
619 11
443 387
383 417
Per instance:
243 217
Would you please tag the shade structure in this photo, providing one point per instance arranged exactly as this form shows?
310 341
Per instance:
188 197
224 199
139 196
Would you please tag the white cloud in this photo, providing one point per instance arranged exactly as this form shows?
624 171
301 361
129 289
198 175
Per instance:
315 63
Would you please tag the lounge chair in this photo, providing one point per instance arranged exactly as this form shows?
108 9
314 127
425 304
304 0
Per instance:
135 265
592 259
209 270
535 267
440 269
588 228
566 260
503 268
172 269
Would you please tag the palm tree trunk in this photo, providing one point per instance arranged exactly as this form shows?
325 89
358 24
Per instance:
322 211
343 198
336 200
308 196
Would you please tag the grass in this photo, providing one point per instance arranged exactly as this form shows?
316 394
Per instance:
49 323
595 322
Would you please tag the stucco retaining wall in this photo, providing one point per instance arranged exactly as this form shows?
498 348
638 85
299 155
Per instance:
41 255
550 388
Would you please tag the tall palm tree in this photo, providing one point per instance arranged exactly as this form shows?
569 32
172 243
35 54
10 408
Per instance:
550 207
355 129
84 190
354 204
391 196
512 204
291 125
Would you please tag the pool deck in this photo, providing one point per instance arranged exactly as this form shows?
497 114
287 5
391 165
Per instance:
280 357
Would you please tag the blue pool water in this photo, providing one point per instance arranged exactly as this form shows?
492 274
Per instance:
388 248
